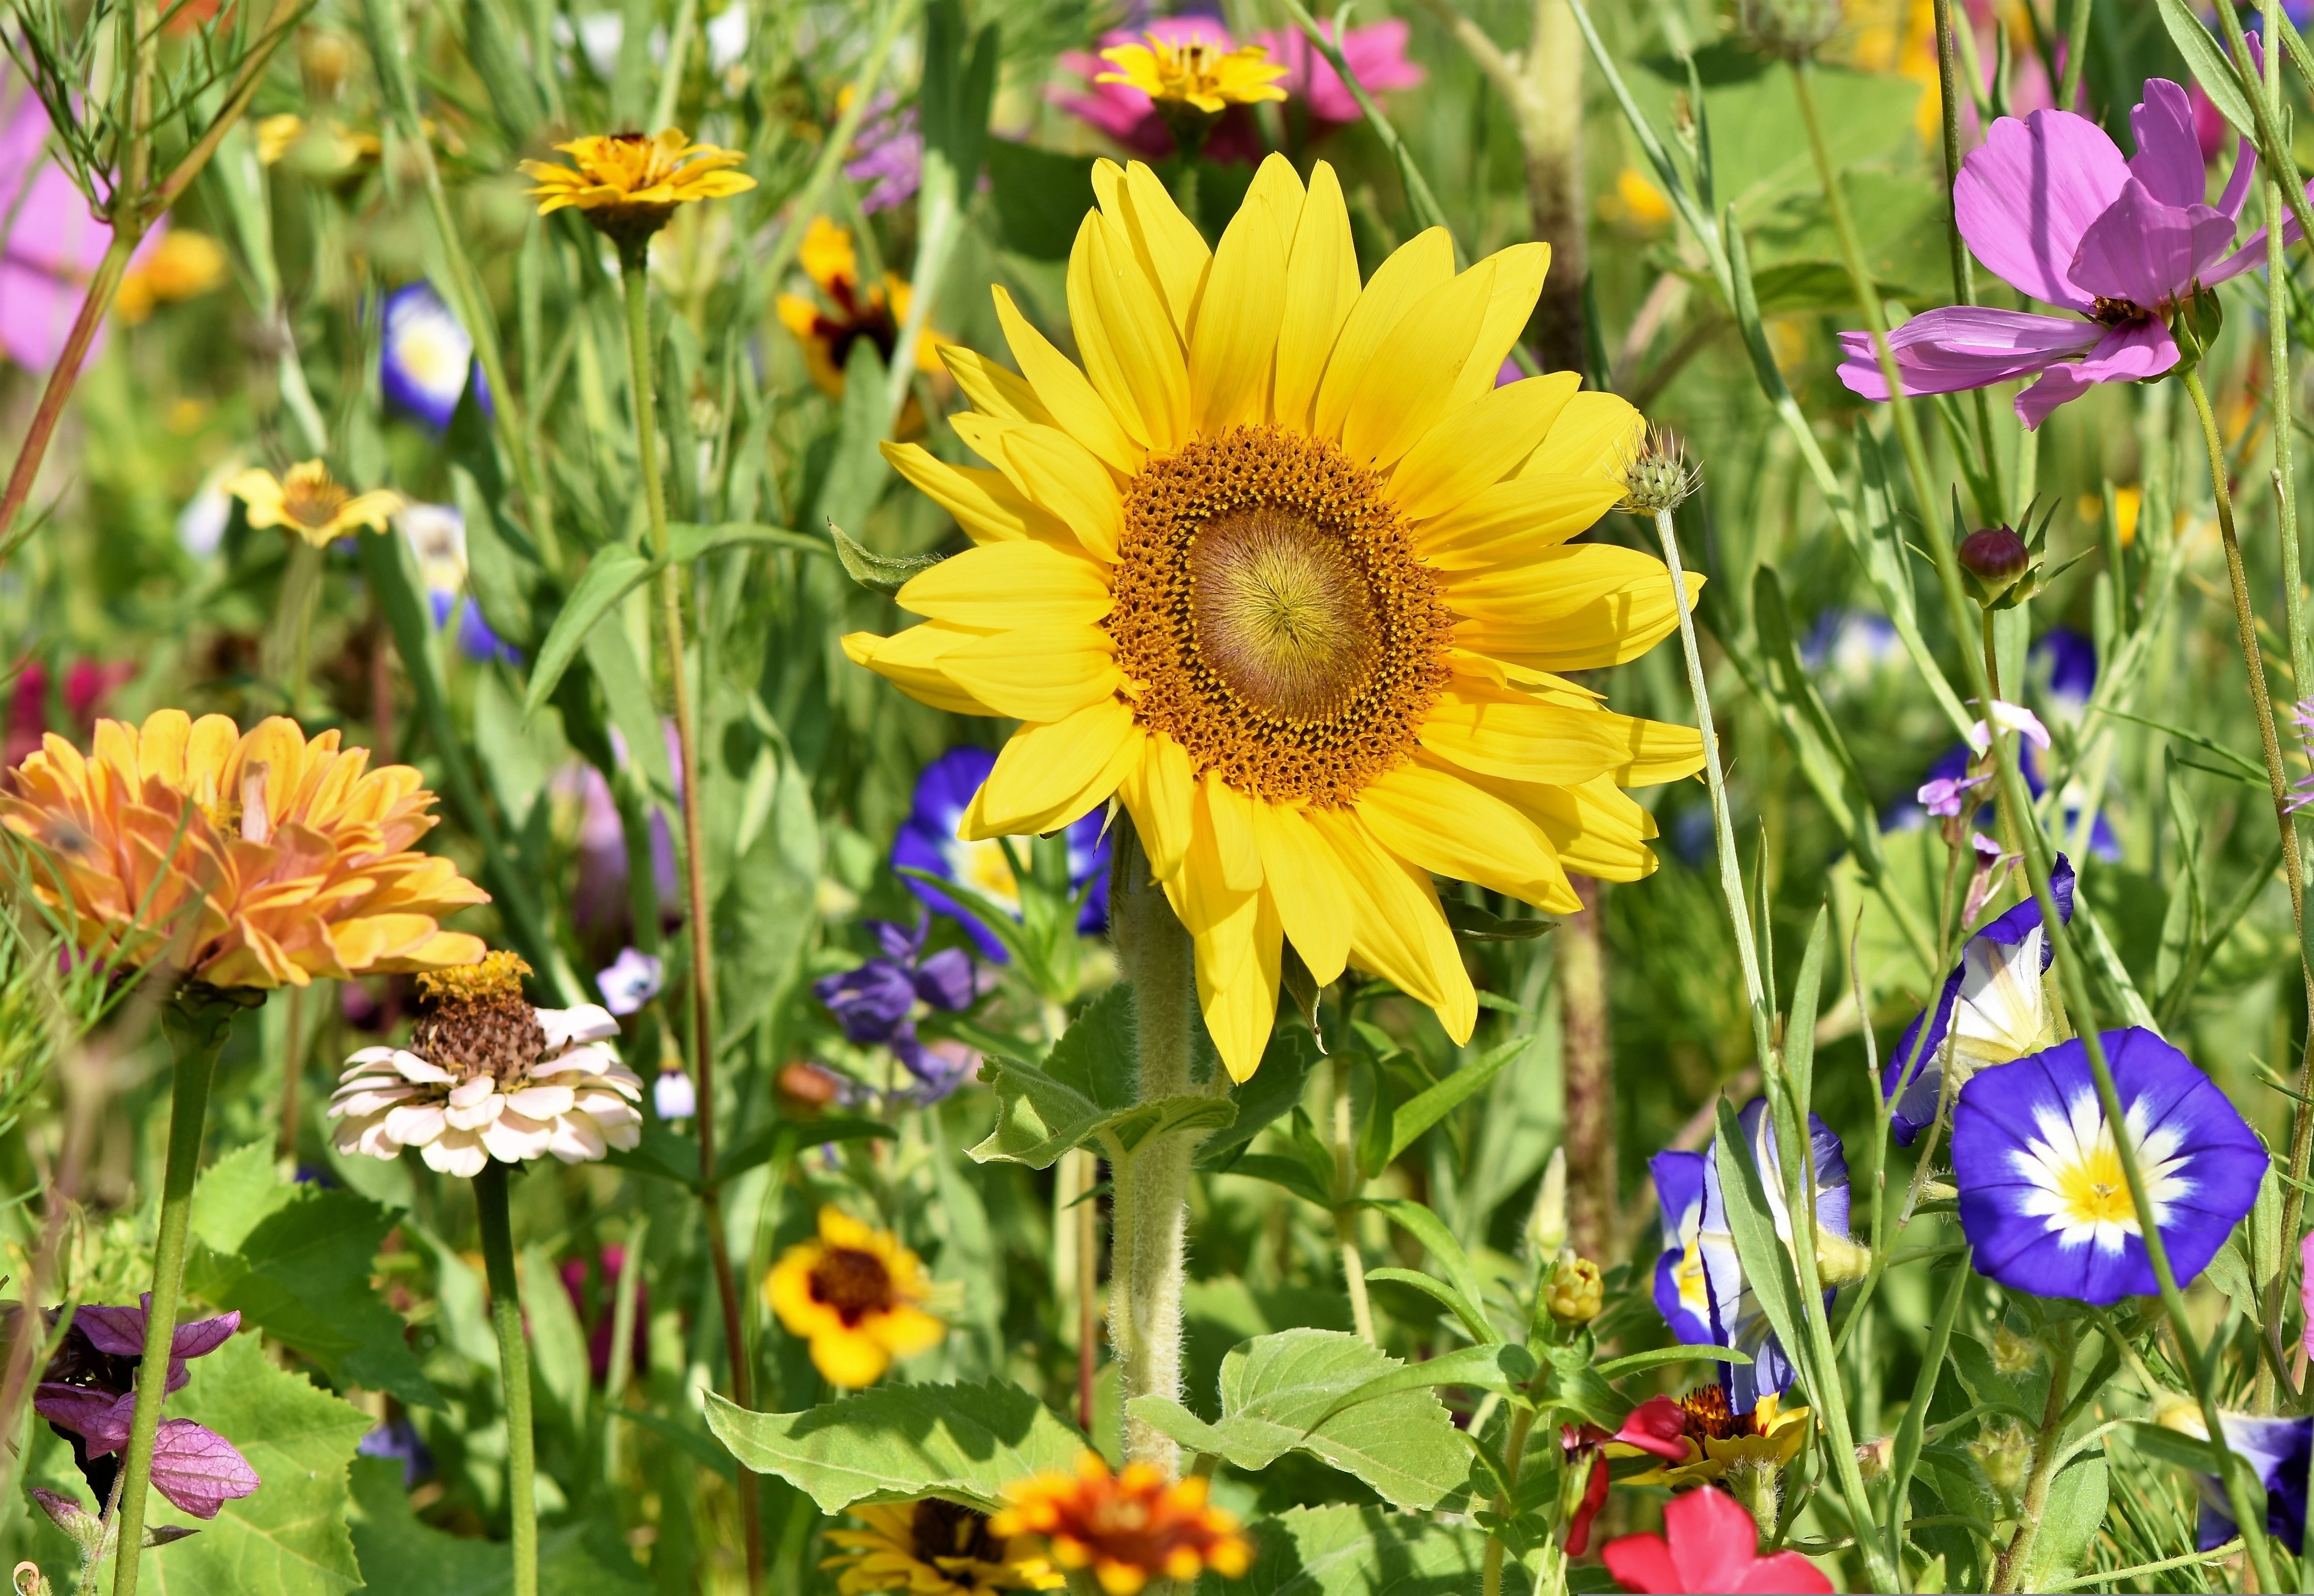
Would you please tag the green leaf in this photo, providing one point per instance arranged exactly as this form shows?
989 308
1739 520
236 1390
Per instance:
289 1538
1474 1318
1504 1368
1429 1229
670 1155
399 1554
1280 1393
1767 1265
1638 1363
295 1261
1291 1174
616 572
768 912
1426 1107
2069 1520
1471 923
1272 1090
559 1360
1085 1093
897 1443
778 1143
687 541
1359 1551
2206 58
1039 197
857 471
877 572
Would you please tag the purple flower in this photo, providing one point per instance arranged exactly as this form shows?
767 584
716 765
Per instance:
2051 206
929 840
2042 1196
1681 1296
1945 797
2071 659
889 154
2277 1450
400 1440
632 980
940 1067
426 355
873 1001
88 1395
1991 1008
1376 54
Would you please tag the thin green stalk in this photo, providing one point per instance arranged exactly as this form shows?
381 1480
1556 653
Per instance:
514 1370
1346 1193
623 1310
197 1022
636 277
2077 51
1963 270
1912 1431
2035 1503
1490 1574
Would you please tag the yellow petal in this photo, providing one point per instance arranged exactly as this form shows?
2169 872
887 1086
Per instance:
1167 243
985 436
1398 929
1428 815
1569 609
1046 777
1419 266
1510 521
1009 587
1598 830
989 507
906 1331
850 1358
1240 1013
1042 677
1403 392
1236 328
993 389
1595 435
1067 396
911 662
161 746
1161 792
1276 181
1518 283
1479 444
1061 476
1511 736
1131 351
1305 882
1235 851
1321 285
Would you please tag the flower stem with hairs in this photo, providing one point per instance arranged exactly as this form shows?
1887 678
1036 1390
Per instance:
1345 1193
1490 1571
2010 1565
634 272
514 1369
198 1021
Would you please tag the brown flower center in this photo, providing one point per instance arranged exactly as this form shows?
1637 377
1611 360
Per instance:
939 1528
1269 603
853 1282
1708 1417
2114 312
313 502
476 1019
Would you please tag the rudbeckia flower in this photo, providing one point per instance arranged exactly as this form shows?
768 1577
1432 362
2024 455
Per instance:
311 503
1716 1439
251 859
1990 1009
1282 569
628 184
1710 1544
853 1294
932 840
1681 1296
487 1076
2276 1450
2051 206
2042 1197
850 312
934 1548
1128 1529
426 354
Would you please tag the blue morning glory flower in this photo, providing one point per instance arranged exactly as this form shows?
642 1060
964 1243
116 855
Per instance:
2042 1198
2070 657
1991 1007
425 357
2278 1450
929 840
1680 1294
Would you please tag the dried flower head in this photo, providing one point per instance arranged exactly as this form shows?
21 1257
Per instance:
486 1076
1659 476
1128 1529
311 503
628 184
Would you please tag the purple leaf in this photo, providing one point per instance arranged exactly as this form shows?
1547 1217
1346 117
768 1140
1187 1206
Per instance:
197 1468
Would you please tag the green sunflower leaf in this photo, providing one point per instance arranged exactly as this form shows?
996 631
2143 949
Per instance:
1359 1551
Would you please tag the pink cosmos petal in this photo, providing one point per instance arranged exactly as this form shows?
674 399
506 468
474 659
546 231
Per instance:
2253 253
2132 350
2147 252
2030 192
2168 159
1959 347
200 1469
1376 54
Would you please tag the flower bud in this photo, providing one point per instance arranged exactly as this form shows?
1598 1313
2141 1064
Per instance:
1993 557
2013 1353
1659 476
1575 1295
1874 1456
1839 1261
1788 29
2002 1450
1546 1226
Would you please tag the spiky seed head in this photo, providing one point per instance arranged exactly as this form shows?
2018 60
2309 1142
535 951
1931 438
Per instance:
1790 29
1659 475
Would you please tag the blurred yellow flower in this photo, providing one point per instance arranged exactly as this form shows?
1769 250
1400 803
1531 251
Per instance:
248 858
934 1548
853 1294
334 146
1641 201
1129 1527
629 185
183 265
1194 73
311 503
850 312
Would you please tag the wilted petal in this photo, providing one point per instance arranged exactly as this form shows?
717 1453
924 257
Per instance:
198 1469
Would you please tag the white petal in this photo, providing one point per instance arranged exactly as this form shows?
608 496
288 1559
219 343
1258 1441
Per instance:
478 1115
372 1056
414 1068
472 1090
516 1140
540 1102
577 1138
588 1022
459 1153
416 1124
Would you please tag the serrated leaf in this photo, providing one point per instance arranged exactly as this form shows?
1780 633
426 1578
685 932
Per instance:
898 1443
1085 1092
1359 1551
399 1554
1503 1368
290 1538
1276 1394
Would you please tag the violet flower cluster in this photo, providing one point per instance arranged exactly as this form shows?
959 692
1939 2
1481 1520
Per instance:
876 1004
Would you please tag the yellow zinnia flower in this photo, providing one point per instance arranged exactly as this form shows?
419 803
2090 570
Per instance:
311 503
934 1548
853 1294
629 185
1283 569
247 858
874 313
1193 73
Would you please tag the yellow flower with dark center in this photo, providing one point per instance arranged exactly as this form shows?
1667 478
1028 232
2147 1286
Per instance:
1282 569
311 503
1128 1529
1195 72
628 184
934 1548
853 1294
245 859
1719 1441
850 311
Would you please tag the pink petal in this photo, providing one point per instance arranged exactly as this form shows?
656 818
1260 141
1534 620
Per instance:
2137 349
198 1469
1713 1540
2148 253
2168 159
2027 194
2253 253
1786 1574
99 1418
1642 1563
1961 347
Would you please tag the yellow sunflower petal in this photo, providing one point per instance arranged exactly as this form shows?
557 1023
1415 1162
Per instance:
1065 392
986 503
1047 776
1235 848
1321 285
1275 182
1239 1014
1576 608
1430 816
1167 243
1236 328
1519 272
1403 392
993 389
1305 880
1161 793
1510 521
1479 444
1010 585
1398 929
1061 476
1595 435
1598 829
1423 263
1511 736
1132 354
912 660
1042 677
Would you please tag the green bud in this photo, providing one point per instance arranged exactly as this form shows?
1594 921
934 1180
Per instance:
1576 1295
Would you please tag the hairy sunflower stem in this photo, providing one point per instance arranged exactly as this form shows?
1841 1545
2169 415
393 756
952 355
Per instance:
198 1020
1347 1185
634 273
1490 1573
514 1370
2046 1444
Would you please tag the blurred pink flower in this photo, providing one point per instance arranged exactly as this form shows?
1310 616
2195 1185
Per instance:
50 245
87 685
1377 57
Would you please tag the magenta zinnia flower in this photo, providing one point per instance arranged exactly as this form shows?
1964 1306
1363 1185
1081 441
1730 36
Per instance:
2050 206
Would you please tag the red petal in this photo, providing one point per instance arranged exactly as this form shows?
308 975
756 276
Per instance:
1713 1539
1786 1573
1642 1563
1658 1426
1595 1497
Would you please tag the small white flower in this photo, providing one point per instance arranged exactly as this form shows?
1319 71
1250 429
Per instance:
2011 717
674 1096
632 980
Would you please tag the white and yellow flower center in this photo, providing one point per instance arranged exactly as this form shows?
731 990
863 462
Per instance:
984 867
2073 1165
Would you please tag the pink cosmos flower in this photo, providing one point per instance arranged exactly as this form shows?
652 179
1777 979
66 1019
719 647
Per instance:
2050 206
50 245
1377 57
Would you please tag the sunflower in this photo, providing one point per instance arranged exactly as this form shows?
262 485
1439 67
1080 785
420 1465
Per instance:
1127 1527
311 503
1284 570
1194 73
628 184
934 1548
873 312
853 1294
248 858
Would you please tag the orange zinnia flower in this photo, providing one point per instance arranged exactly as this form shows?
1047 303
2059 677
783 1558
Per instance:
249 859
1128 1528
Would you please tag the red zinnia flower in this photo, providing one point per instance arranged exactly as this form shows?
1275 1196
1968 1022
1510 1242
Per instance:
1711 1548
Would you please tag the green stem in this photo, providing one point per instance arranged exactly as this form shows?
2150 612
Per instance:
2077 51
198 1021
2035 1505
1912 1430
635 277
514 1367
1347 1185
1963 273
1513 1448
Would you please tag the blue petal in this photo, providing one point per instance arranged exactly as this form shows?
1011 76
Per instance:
1679 1195
1688 1328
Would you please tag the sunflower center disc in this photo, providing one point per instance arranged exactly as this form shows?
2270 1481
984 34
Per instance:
852 1283
1270 608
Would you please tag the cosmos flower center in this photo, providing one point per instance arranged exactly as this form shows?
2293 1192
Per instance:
1271 609
947 1531
2115 313
853 1282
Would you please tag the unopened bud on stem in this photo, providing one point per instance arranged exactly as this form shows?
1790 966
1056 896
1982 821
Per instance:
1992 559
1659 475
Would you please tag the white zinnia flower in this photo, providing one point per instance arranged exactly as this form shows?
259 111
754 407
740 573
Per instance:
488 1076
